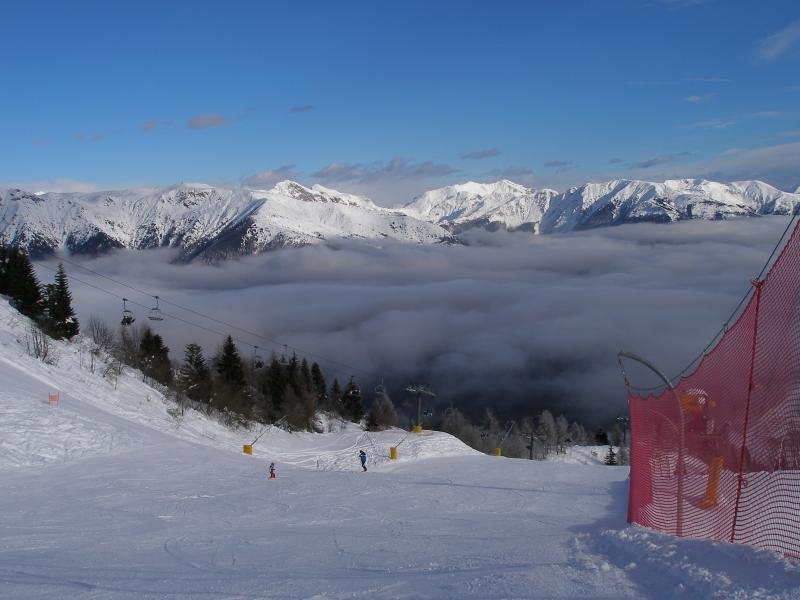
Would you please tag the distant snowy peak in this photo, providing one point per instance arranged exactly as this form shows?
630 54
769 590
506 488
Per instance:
211 222
492 205
508 205
202 221
630 201
318 193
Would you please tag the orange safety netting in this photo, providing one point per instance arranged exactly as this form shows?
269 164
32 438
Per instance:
718 456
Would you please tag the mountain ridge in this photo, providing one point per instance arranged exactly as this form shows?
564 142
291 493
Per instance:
214 222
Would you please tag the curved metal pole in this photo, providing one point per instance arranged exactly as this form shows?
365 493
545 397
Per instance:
629 355
635 357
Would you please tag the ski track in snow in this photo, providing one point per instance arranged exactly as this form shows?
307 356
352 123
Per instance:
108 496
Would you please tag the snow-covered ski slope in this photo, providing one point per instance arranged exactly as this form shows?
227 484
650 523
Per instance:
108 496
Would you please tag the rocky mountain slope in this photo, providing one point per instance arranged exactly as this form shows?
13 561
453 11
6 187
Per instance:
213 223
512 206
201 220
490 205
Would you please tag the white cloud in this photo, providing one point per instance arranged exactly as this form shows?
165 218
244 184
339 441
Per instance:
56 185
715 124
696 99
206 121
267 178
778 165
778 44
510 321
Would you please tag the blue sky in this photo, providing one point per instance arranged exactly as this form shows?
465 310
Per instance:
389 99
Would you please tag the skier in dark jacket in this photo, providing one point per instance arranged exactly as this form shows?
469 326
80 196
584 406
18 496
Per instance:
363 456
272 474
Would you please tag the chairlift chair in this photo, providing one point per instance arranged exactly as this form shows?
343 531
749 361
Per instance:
155 312
258 362
284 361
127 316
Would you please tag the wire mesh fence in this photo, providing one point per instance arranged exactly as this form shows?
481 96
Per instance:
718 456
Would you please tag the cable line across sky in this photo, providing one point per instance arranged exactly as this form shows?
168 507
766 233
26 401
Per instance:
256 347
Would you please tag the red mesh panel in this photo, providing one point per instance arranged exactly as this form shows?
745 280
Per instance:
734 423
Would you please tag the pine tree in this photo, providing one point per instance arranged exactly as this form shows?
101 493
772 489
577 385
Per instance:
455 423
230 388
299 408
318 385
61 321
154 357
611 456
562 432
194 377
382 413
273 384
229 365
23 286
546 429
600 437
353 408
577 434
336 397
4 253
305 376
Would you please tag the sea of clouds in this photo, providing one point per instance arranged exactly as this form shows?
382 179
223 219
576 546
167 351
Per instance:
510 321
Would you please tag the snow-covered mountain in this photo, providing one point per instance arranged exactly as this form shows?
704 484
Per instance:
202 220
217 222
629 201
514 207
490 205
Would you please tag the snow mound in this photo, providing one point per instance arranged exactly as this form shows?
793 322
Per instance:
581 455
99 415
666 567
338 450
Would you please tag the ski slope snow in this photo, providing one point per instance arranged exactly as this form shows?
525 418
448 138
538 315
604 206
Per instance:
114 494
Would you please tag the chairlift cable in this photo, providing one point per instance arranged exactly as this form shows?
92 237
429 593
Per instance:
186 321
219 321
243 342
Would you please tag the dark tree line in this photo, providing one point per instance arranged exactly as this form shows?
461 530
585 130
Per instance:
50 306
284 388
532 437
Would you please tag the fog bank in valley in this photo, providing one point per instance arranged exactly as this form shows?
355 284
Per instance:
510 321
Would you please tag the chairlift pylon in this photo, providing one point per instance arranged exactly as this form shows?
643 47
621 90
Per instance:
155 312
127 316
284 360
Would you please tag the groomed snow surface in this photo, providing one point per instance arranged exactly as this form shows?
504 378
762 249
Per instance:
108 496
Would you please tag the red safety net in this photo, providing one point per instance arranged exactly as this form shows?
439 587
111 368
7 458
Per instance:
718 456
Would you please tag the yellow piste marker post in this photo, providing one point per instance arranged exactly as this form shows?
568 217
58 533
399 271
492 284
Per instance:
712 486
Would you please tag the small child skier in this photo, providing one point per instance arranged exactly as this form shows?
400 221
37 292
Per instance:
272 474
363 456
